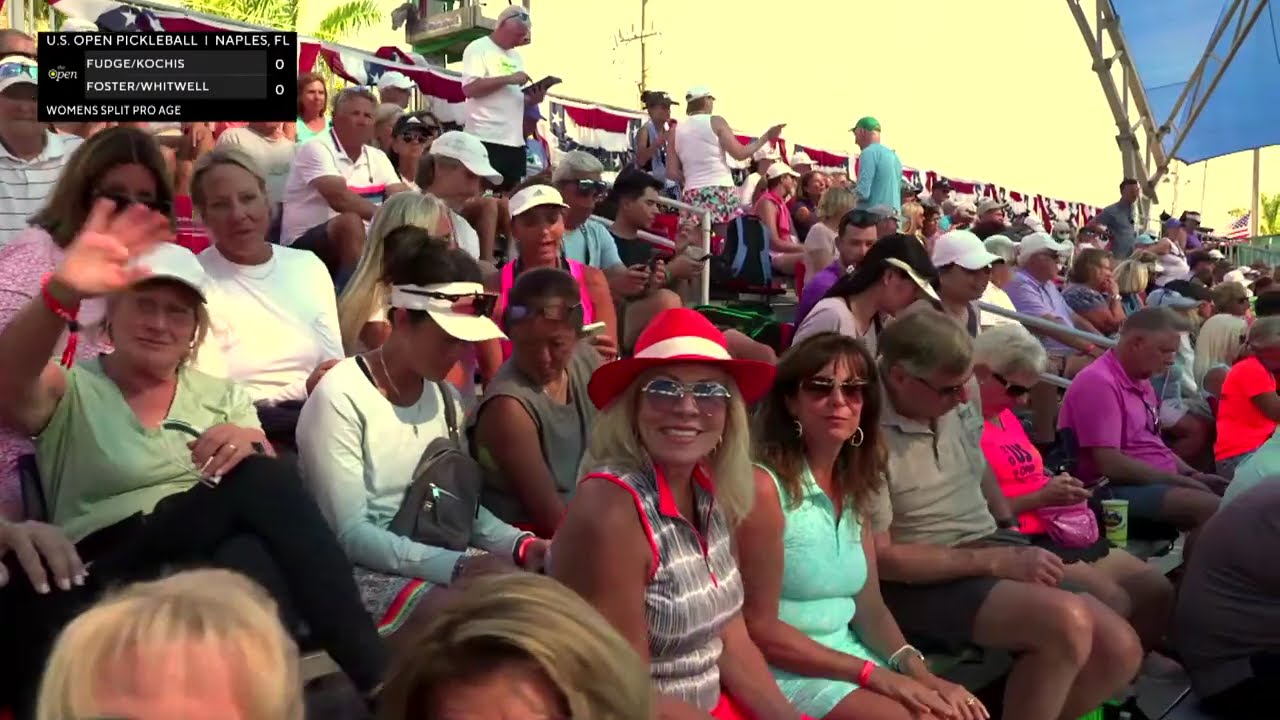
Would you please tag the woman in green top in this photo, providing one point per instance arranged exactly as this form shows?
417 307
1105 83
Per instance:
808 562
147 464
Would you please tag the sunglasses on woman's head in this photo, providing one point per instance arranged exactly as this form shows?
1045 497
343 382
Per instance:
821 388
124 202
668 394
19 69
1014 391
477 304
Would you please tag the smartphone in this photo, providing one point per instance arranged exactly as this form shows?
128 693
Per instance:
1102 482
591 329
545 83
654 258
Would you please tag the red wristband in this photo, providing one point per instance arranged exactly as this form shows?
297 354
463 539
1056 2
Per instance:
522 550
67 314
864 675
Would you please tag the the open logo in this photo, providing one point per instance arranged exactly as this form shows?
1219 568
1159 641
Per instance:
61 73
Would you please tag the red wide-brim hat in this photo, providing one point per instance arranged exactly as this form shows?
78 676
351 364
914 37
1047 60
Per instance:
675 337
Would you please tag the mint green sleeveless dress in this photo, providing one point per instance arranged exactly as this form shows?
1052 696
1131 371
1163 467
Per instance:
824 567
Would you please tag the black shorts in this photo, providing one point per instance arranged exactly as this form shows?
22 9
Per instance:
509 161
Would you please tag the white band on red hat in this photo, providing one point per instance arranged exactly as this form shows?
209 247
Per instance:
685 346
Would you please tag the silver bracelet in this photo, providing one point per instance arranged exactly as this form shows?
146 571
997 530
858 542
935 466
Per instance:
896 659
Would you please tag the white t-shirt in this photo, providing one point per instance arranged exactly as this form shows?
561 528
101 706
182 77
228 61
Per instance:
993 295
274 157
304 206
499 116
26 184
747 192
272 324
465 235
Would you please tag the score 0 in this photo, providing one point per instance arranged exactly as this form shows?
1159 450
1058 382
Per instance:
282 71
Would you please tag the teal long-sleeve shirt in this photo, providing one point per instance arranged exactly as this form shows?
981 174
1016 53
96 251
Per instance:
879 178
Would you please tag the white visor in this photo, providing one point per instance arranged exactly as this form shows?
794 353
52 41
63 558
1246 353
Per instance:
455 317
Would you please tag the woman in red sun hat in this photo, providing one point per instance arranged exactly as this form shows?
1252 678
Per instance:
647 536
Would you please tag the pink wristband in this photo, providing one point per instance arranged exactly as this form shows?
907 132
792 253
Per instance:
864 675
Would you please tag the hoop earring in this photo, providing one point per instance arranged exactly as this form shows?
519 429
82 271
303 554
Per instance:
858 436
799 428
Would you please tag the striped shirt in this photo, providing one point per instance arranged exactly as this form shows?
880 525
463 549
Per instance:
26 184
694 589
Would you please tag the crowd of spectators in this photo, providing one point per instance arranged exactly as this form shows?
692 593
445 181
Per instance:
402 372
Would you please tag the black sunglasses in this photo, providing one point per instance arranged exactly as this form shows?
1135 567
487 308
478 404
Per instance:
123 202
860 218
477 304
591 187
822 387
1014 391
574 314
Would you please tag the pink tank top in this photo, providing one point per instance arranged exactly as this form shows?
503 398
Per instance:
784 215
1016 463
576 269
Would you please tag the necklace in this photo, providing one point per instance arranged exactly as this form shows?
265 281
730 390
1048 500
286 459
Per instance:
382 363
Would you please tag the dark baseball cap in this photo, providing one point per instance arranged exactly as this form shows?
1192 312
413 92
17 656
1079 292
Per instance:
1190 289
942 184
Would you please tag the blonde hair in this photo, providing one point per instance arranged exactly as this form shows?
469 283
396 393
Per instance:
387 113
213 609
222 155
1132 276
914 214
615 442
1218 343
367 292
522 619
835 202
200 309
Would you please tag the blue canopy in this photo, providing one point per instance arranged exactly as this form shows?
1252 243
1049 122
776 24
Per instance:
1168 38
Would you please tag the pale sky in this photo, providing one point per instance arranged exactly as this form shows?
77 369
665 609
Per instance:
1003 95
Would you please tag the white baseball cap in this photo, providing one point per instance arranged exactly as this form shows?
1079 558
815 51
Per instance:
169 261
801 158
397 80
1039 242
1216 254
534 196
779 169
697 92
468 150
963 248
19 70
453 306
768 152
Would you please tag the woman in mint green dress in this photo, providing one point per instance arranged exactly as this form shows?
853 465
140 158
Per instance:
313 100
813 602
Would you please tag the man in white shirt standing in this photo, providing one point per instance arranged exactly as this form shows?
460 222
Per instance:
337 182
492 79
31 157
395 88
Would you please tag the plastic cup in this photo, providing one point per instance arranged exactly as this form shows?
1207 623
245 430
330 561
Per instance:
1115 515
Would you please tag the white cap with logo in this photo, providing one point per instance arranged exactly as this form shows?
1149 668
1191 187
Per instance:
1038 242
963 248
535 196
697 92
468 150
169 261
393 79
778 169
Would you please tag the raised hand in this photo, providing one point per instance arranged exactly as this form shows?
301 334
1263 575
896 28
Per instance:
97 262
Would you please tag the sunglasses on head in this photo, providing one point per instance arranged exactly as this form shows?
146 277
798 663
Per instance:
1014 391
477 304
572 314
124 202
861 218
667 395
822 387
19 69
590 187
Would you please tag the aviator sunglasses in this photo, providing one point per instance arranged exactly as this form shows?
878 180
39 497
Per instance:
667 395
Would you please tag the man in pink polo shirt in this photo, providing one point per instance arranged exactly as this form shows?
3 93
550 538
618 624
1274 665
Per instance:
1113 411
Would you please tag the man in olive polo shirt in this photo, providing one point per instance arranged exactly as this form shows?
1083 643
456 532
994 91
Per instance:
950 574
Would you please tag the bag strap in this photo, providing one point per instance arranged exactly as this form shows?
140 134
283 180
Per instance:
450 412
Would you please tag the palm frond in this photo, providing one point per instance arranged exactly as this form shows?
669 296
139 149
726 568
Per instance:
277 14
348 18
